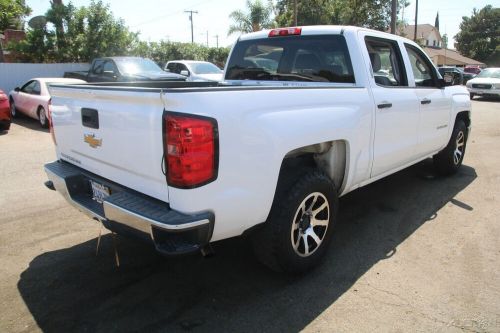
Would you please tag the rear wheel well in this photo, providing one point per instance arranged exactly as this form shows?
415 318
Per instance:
329 157
465 117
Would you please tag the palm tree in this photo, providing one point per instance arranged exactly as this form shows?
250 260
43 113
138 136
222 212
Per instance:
257 18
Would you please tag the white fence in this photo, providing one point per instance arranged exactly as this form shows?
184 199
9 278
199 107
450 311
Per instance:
13 75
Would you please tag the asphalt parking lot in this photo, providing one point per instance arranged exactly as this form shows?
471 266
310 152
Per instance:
412 252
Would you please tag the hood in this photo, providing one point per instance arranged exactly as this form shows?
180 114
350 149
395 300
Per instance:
484 80
160 75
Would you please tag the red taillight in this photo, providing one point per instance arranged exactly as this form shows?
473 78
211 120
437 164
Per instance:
190 149
285 32
49 118
3 97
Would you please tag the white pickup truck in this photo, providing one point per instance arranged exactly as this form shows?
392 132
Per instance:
305 115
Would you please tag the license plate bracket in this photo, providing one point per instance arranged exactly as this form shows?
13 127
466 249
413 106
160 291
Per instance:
99 191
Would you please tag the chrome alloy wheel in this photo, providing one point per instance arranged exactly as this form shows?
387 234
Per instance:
459 147
310 224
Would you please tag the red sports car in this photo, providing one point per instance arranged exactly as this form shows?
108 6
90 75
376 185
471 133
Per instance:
4 112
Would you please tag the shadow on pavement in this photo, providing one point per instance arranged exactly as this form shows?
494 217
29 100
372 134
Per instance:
72 290
28 123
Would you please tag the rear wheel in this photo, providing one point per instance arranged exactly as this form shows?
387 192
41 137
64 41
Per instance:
449 160
42 117
299 228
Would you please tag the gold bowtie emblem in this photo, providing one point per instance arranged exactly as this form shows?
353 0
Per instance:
92 141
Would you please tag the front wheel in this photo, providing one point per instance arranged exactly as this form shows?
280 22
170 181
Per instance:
449 160
299 228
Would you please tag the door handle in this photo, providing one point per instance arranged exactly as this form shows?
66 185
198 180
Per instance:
90 118
384 105
425 101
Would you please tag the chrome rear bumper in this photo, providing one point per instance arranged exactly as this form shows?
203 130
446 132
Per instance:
128 212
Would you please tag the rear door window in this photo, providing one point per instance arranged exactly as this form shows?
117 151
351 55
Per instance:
387 62
322 58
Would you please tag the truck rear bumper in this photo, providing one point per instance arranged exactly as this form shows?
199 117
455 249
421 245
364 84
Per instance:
128 212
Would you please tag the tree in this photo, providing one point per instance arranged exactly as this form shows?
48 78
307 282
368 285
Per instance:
88 32
479 36
12 13
257 18
370 14
445 40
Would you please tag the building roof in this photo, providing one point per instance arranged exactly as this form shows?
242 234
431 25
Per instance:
452 57
423 31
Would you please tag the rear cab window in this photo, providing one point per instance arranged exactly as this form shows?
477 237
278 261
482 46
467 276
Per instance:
309 58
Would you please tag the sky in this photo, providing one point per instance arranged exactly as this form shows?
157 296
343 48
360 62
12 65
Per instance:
166 20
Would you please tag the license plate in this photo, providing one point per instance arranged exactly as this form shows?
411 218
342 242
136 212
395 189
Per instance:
99 191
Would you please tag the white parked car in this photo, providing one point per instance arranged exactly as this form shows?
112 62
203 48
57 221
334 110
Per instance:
195 70
33 97
267 154
486 83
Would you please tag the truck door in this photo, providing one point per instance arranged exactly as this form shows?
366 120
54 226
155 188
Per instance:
435 105
396 106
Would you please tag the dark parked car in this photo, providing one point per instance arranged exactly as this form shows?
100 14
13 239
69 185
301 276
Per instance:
467 76
124 69
458 76
4 112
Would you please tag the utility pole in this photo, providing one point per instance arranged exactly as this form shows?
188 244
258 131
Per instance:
394 9
295 12
217 40
191 19
207 38
416 17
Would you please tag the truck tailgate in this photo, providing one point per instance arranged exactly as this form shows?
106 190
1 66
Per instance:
115 133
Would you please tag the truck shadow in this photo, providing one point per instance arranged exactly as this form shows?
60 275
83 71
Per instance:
72 290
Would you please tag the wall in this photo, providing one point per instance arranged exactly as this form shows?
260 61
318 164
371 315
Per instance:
14 74
433 38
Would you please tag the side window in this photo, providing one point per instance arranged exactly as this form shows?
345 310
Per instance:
182 67
97 69
109 67
423 70
28 87
36 88
171 67
387 63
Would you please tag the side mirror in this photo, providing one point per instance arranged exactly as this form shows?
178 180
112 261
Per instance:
185 72
17 89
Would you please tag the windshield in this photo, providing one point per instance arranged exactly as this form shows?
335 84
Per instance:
137 65
292 58
490 72
205 68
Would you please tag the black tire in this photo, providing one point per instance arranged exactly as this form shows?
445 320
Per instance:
274 241
472 96
449 160
42 117
13 109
